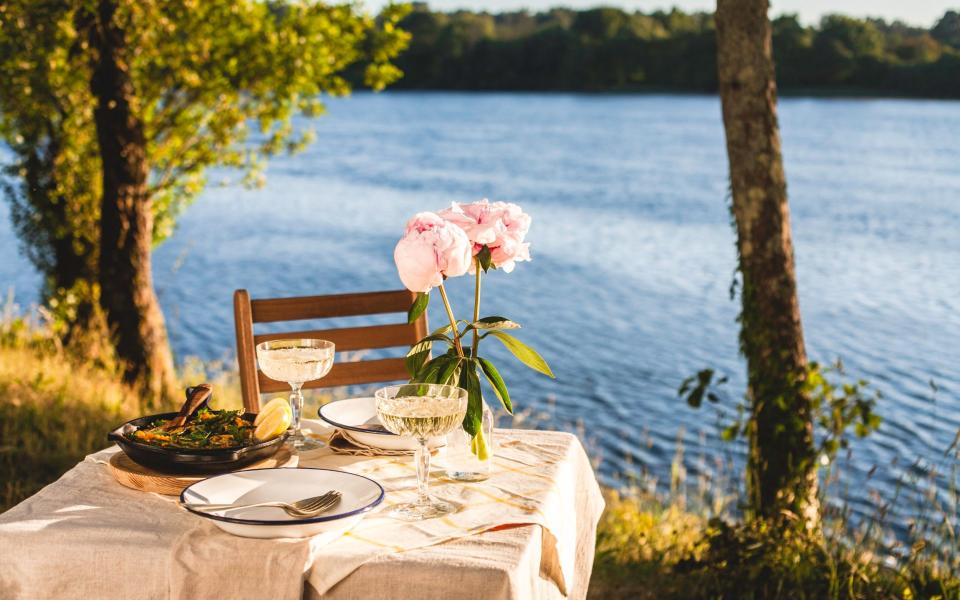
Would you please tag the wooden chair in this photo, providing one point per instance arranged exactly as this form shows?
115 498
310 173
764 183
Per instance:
246 312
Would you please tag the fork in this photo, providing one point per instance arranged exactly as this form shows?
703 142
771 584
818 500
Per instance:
308 507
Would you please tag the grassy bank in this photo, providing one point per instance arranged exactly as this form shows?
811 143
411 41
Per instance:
54 409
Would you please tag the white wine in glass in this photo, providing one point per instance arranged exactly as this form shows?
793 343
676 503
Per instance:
421 411
296 362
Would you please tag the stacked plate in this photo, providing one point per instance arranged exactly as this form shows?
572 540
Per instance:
357 419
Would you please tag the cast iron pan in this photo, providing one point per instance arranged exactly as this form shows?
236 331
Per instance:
190 460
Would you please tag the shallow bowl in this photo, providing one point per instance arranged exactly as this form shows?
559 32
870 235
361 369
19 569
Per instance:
360 496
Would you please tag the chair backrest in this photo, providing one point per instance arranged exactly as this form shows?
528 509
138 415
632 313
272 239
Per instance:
246 312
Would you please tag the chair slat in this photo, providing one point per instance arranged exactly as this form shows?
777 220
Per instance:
324 307
354 338
350 373
247 312
246 359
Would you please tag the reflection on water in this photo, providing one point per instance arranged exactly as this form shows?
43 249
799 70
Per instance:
629 289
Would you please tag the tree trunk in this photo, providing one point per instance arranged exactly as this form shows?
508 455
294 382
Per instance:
126 217
781 470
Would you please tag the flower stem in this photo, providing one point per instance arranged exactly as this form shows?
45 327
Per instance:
476 311
453 321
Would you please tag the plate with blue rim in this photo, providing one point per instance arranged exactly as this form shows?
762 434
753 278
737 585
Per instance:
357 419
359 496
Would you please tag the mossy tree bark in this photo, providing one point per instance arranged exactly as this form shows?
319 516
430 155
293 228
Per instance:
126 216
781 470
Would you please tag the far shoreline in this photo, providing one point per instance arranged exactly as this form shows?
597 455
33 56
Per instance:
827 93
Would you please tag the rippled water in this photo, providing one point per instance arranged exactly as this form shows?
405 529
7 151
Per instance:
628 292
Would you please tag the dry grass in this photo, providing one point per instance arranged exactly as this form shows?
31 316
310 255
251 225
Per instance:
56 408
53 411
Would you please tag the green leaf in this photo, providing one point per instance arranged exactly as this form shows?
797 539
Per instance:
730 433
420 352
429 371
497 383
486 258
523 352
469 381
414 362
419 305
491 323
442 330
449 373
696 386
427 343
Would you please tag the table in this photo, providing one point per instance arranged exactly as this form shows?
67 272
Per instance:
85 536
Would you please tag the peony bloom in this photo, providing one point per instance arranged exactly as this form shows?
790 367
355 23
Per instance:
500 226
430 249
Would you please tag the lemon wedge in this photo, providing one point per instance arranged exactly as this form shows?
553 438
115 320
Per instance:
275 404
273 422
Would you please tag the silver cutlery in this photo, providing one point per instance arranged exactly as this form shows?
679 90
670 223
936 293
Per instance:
308 507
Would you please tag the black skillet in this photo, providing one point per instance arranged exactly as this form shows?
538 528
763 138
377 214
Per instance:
190 460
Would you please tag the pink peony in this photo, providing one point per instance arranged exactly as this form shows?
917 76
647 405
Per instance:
500 226
430 249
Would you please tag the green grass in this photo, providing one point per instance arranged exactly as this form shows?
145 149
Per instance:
647 549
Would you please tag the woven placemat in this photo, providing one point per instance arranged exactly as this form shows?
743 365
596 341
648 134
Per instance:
341 443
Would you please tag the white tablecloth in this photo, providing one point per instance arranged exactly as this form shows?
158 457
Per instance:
527 532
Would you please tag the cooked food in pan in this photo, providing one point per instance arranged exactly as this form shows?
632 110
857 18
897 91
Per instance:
207 428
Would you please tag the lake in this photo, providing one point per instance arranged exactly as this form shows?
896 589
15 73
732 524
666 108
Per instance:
633 254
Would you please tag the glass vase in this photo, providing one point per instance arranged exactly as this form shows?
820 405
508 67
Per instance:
469 459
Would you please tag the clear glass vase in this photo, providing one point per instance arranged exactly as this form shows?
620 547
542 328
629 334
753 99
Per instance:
469 459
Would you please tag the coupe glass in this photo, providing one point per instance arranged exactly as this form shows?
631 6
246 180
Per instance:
296 362
421 411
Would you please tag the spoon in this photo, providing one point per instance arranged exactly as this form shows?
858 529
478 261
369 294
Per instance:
196 396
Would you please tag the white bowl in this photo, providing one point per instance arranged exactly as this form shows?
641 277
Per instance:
360 495
357 418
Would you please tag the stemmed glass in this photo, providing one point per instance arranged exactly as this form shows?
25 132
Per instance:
296 362
422 411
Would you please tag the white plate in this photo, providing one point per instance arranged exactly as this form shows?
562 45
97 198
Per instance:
357 417
360 495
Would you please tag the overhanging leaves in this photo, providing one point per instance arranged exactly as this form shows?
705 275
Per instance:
523 352
497 383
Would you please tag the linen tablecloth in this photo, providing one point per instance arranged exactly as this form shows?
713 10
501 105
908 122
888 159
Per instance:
527 532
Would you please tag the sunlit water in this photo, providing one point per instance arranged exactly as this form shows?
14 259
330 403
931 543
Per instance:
629 289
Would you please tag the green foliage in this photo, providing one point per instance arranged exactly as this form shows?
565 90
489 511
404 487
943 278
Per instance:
838 406
46 119
649 546
485 258
695 387
522 352
612 49
496 382
462 365
216 83
418 307
469 381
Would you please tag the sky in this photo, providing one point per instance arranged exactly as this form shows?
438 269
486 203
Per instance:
914 12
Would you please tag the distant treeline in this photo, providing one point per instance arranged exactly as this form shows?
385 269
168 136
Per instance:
608 49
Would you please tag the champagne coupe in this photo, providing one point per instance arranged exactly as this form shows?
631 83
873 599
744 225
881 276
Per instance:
422 411
296 362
